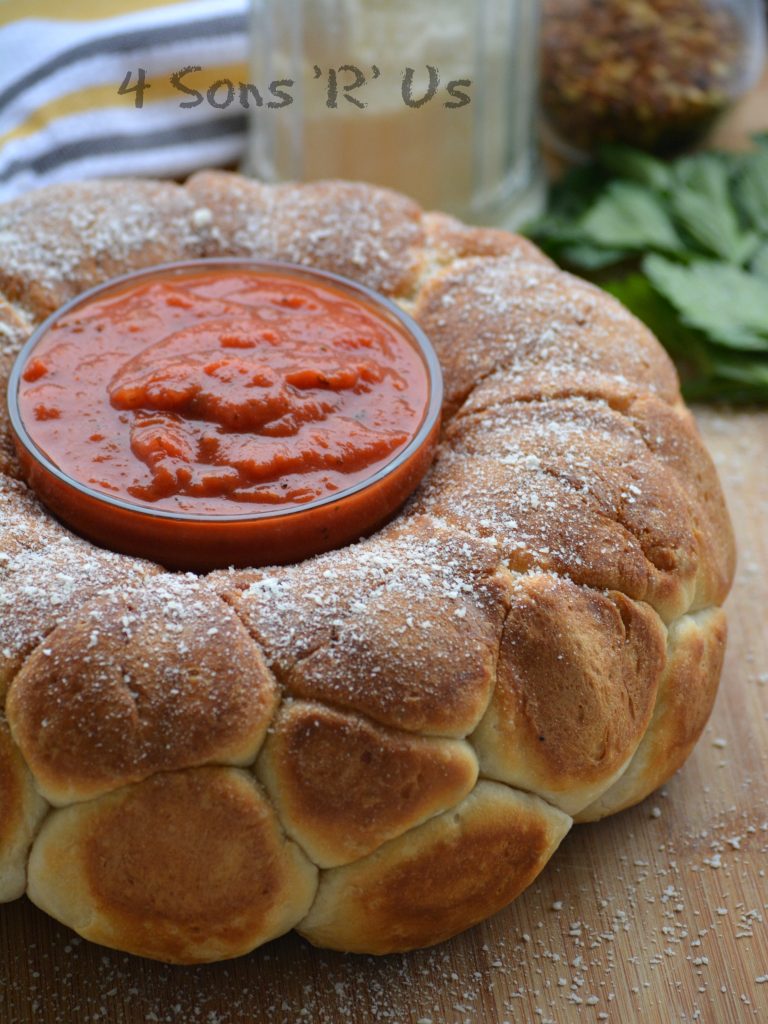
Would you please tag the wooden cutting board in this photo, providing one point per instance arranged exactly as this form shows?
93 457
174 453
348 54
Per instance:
657 915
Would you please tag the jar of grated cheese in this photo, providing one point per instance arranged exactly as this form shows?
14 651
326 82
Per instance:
436 99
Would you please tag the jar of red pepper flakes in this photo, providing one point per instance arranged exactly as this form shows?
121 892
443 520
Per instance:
654 74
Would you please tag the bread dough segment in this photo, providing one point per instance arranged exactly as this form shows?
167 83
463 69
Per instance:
440 878
546 382
140 681
598 454
21 811
576 683
484 315
47 574
293 610
448 239
369 234
342 786
668 433
672 436
15 328
24 523
61 240
186 867
687 690
538 521
402 628
413 665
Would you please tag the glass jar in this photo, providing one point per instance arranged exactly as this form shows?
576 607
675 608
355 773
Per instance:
436 99
649 73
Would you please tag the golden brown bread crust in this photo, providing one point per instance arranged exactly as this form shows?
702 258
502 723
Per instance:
140 681
439 878
15 328
575 689
418 608
631 440
186 867
372 235
483 315
687 690
547 603
21 811
673 438
57 242
570 485
343 785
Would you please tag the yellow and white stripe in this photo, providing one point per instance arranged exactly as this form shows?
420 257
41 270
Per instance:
61 116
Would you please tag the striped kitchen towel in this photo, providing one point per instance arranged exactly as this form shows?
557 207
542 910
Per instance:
93 88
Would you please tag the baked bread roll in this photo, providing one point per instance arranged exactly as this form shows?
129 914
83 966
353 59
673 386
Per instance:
382 745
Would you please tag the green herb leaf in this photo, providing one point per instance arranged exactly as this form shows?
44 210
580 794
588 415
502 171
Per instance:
733 377
569 200
706 173
634 165
752 189
697 227
745 370
719 389
628 216
583 256
727 304
759 265
639 296
712 223
703 207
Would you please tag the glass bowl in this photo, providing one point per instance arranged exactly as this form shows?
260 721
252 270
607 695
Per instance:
202 542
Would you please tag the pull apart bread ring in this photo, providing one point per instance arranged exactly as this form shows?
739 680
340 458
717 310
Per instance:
382 745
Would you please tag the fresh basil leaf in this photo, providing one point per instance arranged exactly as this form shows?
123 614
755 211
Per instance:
727 304
628 216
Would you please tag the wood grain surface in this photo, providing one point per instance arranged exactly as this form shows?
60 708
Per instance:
658 914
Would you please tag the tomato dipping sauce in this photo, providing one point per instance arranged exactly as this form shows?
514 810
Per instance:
221 390
227 389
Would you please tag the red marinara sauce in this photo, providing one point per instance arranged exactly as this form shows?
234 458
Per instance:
207 392
223 392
